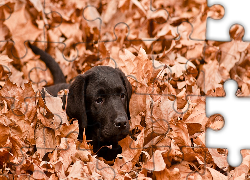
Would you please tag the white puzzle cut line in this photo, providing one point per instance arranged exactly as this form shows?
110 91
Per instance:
233 134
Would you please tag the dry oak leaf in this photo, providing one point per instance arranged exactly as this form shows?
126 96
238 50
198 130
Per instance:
17 76
128 64
54 104
110 11
199 26
19 99
131 149
197 119
219 159
216 174
68 130
67 152
78 170
100 168
45 139
212 76
180 134
242 171
181 65
143 68
183 169
20 126
21 29
233 51
152 165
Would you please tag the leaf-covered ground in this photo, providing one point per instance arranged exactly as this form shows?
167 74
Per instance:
160 47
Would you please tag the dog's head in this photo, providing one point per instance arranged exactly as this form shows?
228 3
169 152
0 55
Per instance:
99 99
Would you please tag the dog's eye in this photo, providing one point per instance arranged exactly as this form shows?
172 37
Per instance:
99 100
122 95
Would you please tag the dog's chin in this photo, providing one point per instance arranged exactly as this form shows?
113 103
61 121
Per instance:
114 138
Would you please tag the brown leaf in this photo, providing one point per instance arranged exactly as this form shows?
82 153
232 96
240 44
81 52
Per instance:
77 170
197 115
110 11
232 55
219 159
131 149
20 99
5 132
5 60
152 165
54 104
21 29
212 77
180 134
216 174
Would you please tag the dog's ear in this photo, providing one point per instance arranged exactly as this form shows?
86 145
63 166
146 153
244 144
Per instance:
128 87
76 101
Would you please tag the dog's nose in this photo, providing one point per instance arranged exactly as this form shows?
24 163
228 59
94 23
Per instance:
121 122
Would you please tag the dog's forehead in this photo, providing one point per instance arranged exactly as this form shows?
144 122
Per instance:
105 78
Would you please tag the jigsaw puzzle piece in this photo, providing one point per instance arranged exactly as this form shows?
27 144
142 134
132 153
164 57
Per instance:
162 21
156 130
182 69
175 162
52 134
199 22
138 68
118 30
218 29
70 155
160 29
23 167
224 60
178 139
58 23
227 136
94 35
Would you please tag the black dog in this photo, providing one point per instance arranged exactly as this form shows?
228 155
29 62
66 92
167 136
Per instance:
99 100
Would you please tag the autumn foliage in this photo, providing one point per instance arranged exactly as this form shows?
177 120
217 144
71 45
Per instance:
161 47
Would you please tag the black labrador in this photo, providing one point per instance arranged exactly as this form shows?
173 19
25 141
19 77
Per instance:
99 100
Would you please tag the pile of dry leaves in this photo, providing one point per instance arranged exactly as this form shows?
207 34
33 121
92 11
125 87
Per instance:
168 61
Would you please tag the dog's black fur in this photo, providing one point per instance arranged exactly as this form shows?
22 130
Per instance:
99 100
